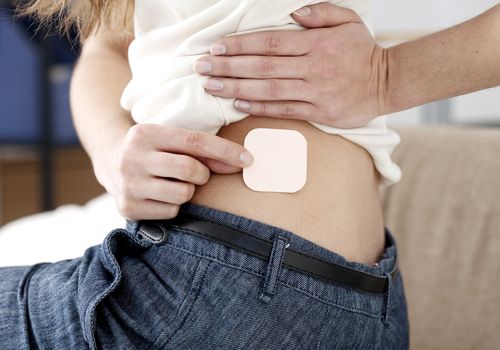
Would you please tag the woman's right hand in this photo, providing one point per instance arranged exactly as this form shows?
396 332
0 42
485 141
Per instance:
154 169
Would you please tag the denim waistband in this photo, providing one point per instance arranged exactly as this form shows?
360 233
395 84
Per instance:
330 293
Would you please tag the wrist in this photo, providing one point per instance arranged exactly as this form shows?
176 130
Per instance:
384 96
103 166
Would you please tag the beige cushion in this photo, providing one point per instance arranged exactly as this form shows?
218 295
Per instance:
445 214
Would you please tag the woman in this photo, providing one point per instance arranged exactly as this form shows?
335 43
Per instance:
235 268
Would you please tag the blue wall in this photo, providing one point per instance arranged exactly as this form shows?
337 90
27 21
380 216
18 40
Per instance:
20 70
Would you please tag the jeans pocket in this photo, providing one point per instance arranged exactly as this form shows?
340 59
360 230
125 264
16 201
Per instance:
148 297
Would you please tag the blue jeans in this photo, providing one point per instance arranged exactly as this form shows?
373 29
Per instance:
189 292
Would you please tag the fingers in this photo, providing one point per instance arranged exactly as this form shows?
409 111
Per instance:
270 43
179 166
220 167
280 109
325 15
252 67
167 191
285 43
158 168
263 90
217 166
196 143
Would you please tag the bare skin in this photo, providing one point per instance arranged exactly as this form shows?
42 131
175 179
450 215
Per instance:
339 207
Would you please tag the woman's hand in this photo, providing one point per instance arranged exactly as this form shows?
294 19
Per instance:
155 168
331 75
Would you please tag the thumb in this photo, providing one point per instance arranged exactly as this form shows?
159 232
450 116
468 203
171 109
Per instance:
325 15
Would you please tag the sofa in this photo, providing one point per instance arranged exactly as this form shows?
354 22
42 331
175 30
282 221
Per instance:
445 215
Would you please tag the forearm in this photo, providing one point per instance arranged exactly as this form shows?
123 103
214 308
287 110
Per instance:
453 62
96 87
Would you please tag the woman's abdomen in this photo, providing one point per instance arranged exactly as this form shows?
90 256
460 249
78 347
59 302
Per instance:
339 206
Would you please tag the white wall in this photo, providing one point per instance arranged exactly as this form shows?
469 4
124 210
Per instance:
424 15
403 19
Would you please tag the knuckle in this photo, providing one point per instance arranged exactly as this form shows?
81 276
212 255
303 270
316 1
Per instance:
262 109
266 67
127 189
227 151
325 43
139 132
273 43
288 110
314 69
225 66
328 93
194 139
128 155
275 88
126 208
187 168
236 87
329 74
235 44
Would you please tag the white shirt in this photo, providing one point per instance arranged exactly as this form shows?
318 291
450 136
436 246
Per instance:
171 35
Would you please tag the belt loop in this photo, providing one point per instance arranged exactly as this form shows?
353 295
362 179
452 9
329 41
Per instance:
273 268
146 232
388 292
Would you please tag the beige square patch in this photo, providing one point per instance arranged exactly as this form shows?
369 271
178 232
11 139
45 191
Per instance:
280 160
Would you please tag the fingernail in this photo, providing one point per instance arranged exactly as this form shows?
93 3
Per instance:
246 158
218 49
242 104
304 11
202 67
213 84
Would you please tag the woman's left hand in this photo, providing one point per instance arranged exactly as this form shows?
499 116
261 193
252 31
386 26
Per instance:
332 74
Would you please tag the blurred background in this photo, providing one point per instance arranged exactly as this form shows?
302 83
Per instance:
42 165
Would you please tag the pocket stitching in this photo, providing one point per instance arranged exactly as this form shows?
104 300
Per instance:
194 290
322 332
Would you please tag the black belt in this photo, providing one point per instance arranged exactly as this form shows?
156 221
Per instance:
261 248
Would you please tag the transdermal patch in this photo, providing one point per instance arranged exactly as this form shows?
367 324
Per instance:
280 160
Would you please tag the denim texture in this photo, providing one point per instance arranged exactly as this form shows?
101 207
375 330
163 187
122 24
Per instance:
188 292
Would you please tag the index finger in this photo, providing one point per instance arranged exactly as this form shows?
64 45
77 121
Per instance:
269 43
202 144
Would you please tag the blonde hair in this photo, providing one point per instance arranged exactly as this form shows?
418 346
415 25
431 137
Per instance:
87 16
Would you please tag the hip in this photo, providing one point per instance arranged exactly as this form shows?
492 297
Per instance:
338 208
